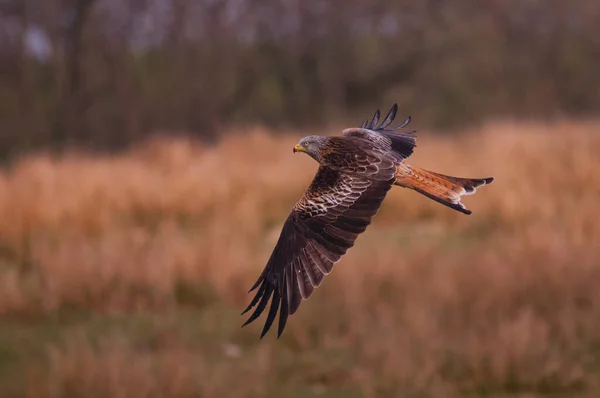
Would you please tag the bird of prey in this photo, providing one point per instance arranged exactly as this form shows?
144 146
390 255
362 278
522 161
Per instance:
356 171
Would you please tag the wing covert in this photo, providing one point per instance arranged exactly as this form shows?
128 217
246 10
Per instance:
400 143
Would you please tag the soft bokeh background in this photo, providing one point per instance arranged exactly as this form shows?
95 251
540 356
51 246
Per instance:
147 170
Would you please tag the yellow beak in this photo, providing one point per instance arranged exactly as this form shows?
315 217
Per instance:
299 148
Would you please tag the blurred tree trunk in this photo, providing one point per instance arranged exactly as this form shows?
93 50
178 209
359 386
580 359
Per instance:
75 14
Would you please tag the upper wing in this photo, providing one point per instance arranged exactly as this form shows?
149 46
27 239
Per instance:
323 225
400 143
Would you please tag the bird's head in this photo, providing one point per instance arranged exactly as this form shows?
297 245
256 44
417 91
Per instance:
311 145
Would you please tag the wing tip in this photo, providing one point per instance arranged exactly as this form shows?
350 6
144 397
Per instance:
278 306
371 123
405 123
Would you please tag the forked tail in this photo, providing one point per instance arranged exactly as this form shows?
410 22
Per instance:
444 189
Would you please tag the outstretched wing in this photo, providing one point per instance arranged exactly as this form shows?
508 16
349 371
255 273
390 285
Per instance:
324 224
400 143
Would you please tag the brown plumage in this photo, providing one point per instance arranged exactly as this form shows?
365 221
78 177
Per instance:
441 188
356 172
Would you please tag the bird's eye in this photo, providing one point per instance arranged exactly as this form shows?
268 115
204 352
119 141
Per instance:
306 143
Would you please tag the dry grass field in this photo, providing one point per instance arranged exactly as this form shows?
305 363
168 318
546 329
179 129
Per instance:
125 275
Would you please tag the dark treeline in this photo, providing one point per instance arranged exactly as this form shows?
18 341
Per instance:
105 73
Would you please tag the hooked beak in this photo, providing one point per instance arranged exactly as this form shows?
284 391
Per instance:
299 148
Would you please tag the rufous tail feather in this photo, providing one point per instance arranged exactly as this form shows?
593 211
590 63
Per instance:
444 189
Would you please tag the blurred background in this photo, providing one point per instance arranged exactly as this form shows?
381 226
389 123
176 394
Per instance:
147 171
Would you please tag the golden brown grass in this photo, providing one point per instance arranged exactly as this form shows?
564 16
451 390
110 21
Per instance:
429 303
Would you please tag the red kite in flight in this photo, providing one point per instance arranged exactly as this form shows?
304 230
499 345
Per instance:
356 172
